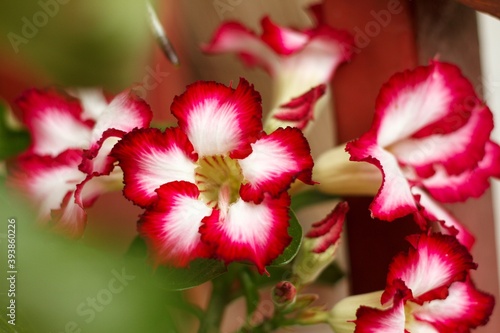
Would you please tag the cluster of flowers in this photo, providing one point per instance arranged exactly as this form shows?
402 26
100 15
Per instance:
216 186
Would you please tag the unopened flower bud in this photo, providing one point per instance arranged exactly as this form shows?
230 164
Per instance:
284 293
312 316
319 246
304 300
342 315
298 108
337 175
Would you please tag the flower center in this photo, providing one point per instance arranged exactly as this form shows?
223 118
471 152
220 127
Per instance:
219 179
409 309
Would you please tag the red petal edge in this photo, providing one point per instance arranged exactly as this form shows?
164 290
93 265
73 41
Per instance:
441 258
291 149
238 110
250 232
150 158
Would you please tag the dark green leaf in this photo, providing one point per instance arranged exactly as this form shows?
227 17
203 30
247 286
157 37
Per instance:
171 278
12 142
308 198
199 271
295 231
276 274
137 248
331 275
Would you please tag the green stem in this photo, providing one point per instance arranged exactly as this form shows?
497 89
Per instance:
218 301
281 319
268 325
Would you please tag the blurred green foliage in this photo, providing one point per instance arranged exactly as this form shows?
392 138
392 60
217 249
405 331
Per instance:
65 286
12 141
78 43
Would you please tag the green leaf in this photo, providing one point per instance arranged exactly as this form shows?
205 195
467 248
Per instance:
12 142
137 248
331 275
172 278
295 231
308 198
199 271
138 305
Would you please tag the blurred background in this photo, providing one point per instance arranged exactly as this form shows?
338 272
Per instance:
108 44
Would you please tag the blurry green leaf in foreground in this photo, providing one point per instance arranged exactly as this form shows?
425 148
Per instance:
65 286
78 43
12 142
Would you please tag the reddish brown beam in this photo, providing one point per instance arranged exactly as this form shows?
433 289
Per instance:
385 44
491 7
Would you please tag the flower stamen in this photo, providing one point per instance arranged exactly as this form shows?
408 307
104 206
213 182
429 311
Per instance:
219 180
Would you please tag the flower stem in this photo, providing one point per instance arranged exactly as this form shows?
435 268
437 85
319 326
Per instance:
219 298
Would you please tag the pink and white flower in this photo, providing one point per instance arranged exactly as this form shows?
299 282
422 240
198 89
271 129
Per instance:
430 131
216 185
71 140
301 63
428 290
